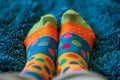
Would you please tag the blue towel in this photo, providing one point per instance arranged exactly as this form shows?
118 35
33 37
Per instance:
18 16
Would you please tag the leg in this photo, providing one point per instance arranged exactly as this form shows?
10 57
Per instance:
76 41
41 45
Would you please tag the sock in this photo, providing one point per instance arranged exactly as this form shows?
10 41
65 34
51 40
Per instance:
76 41
41 45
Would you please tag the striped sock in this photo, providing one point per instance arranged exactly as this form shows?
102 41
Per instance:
41 45
76 41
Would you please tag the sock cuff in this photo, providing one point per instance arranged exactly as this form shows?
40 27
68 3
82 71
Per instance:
86 34
32 75
48 30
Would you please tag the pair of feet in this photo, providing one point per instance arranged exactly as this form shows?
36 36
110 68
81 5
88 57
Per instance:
45 58
69 15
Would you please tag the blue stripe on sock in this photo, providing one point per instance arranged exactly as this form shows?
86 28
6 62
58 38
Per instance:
85 46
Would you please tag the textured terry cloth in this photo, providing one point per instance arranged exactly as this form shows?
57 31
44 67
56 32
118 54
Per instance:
18 16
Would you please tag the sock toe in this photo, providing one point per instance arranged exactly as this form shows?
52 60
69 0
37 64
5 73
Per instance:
48 19
45 20
70 15
73 16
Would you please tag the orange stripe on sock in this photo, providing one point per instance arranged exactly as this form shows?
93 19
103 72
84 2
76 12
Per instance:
48 30
86 34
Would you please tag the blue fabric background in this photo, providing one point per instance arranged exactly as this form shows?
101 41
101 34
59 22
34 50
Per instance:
18 16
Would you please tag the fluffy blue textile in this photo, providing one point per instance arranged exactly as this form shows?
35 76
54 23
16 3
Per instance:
18 16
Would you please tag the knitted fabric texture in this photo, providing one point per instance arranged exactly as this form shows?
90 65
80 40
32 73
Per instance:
18 16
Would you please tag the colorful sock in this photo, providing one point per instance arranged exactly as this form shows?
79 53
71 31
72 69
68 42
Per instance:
76 40
41 45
